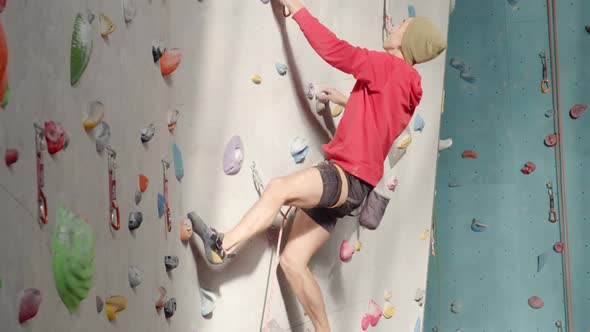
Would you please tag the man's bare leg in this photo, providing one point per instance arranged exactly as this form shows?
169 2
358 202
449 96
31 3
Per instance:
302 189
305 239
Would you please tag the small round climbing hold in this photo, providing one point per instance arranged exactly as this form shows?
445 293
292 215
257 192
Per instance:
173 119
456 307
99 304
587 28
558 247
477 226
137 197
135 276
281 68
170 61
171 262
536 302
469 154
256 79
299 149
551 140
135 220
55 136
147 133
577 110
391 185
186 229
357 246
10 157
346 251
528 168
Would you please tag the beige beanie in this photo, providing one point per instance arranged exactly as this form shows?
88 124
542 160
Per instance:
422 41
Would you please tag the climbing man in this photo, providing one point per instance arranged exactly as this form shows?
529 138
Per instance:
380 106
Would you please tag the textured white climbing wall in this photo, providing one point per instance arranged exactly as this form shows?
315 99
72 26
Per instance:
223 44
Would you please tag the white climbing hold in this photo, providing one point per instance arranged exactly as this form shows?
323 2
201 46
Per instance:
281 68
456 307
207 302
387 296
419 123
419 296
129 10
135 276
444 144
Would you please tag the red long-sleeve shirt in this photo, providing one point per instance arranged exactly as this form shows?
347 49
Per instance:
380 106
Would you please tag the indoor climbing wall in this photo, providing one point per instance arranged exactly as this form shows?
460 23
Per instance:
498 265
574 43
136 103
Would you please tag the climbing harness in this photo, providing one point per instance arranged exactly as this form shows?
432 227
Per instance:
165 166
113 207
552 212
39 147
259 186
560 157
545 82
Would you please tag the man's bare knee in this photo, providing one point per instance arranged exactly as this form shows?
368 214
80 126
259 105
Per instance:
276 189
291 265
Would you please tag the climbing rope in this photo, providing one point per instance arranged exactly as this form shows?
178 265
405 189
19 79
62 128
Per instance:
560 158
259 186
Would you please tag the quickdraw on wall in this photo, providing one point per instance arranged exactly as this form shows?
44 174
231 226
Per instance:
39 147
165 166
544 82
114 215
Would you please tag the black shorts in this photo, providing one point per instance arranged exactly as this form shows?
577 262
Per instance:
323 213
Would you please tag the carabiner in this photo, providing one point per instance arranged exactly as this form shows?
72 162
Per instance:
41 200
286 12
544 82
165 166
552 212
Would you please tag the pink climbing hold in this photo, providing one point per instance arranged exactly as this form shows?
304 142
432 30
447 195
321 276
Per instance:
374 313
365 322
393 184
551 139
558 247
56 137
11 156
577 110
528 168
346 251
30 300
536 302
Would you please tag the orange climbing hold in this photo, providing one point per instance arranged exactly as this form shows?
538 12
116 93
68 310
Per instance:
143 183
186 229
469 154
169 61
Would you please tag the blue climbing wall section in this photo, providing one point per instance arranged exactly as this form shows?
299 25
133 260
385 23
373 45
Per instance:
574 50
494 105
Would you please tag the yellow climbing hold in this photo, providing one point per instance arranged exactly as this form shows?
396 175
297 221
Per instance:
336 110
387 296
216 258
94 115
425 235
115 304
256 79
405 142
357 246
388 310
106 25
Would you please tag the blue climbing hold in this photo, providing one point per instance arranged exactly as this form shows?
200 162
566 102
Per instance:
411 11
281 68
541 260
161 205
418 325
178 166
477 226
419 123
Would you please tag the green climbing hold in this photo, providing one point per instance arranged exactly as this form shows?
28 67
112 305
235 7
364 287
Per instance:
81 48
5 98
72 248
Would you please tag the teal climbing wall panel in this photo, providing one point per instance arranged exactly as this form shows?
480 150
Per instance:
574 50
494 106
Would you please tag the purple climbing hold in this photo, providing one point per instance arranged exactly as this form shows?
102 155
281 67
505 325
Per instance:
536 302
233 156
30 300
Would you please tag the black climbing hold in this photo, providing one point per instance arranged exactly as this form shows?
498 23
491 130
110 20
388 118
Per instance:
588 28
170 308
135 220
171 262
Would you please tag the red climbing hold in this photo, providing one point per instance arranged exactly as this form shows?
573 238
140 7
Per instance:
30 300
56 137
469 154
528 168
551 139
558 247
536 302
577 111
2 5
11 156
143 183
169 61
